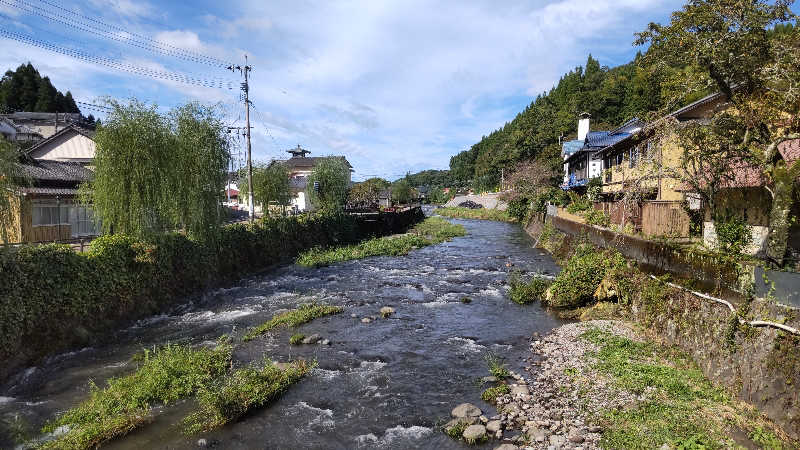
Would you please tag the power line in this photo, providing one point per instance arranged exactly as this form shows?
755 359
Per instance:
156 74
130 38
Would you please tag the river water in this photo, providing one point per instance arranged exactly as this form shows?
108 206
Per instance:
386 384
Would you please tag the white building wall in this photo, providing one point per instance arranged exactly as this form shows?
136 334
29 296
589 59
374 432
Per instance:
69 147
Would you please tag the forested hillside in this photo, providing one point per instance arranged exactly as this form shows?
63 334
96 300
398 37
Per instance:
26 90
611 96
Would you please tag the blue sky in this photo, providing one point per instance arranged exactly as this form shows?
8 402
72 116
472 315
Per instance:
394 86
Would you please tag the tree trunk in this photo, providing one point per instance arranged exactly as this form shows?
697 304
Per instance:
783 193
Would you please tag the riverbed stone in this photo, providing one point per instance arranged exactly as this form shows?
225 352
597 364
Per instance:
366 320
325 342
489 379
575 436
387 311
202 443
557 440
313 339
466 410
507 447
474 433
493 426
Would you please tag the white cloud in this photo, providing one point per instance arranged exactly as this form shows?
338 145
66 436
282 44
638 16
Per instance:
127 8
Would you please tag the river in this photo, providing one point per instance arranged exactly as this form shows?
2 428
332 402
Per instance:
386 384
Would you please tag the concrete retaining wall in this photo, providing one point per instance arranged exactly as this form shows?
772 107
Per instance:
489 201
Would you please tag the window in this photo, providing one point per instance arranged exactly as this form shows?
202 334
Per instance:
47 214
620 159
83 222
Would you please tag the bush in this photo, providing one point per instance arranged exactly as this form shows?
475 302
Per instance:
518 209
524 291
733 235
576 283
577 203
490 395
597 217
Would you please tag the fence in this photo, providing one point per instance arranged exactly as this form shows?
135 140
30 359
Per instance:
619 215
664 219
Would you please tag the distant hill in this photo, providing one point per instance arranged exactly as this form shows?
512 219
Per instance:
611 96
26 90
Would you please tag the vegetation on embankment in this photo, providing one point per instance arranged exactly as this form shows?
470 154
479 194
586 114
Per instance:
677 404
480 213
166 375
304 314
433 230
52 298
758 364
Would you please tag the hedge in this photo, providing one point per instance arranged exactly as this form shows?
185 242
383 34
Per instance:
52 298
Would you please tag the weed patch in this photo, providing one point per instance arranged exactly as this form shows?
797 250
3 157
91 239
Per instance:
166 375
576 283
433 230
297 339
303 314
496 366
246 389
490 395
480 214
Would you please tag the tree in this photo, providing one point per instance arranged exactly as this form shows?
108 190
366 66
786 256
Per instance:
270 184
201 153
11 179
402 192
155 172
328 184
729 44
367 192
26 90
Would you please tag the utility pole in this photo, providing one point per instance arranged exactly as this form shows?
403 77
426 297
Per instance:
246 88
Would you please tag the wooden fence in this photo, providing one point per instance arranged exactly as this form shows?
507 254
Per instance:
664 219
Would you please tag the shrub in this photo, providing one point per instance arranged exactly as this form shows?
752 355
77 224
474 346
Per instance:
524 291
577 203
576 283
733 235
496 366
518 209
596 217
297 339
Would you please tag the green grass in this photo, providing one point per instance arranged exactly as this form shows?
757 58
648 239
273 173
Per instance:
305 313
682 408
496 366
246 389
527 290
431 231
489 395
457 430
482 214
165 375
466 300
297 339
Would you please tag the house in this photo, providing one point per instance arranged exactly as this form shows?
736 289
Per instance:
19 134
48 208
42 123
636 164
385 198
582 160
300 167
70 144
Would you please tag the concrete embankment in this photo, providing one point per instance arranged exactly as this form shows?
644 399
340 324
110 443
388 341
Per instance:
489 201
759 365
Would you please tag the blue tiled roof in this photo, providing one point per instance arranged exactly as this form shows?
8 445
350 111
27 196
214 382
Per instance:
605 141
570 147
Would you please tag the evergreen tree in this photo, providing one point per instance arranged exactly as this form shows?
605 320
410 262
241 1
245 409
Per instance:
26 90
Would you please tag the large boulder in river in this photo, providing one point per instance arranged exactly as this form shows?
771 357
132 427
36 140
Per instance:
466 410
474 433
387 311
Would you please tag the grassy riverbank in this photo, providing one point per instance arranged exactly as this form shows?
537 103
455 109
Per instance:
481 214
167 375
433 230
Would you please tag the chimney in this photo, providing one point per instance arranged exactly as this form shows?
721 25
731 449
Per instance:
583 125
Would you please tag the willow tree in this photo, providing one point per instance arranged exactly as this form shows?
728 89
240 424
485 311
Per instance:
11 179
155 173
328 184
730 47
201 154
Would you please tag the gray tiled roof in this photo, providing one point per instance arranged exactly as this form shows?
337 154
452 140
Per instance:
46 170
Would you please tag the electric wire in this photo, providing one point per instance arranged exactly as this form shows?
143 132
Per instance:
130 38
110 63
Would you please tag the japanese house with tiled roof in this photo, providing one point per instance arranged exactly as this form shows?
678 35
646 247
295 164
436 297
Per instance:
300 167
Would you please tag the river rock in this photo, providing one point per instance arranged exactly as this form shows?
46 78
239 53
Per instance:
387 311
576 437
507 447
557 440
474 433
325 342
366 320
517 389
489 379
354 316
202 443
313 339
466 410
493 426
